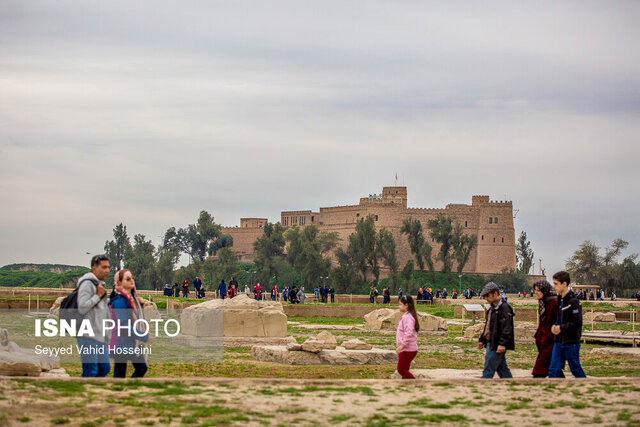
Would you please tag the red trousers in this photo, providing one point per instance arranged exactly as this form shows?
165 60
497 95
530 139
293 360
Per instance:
404 363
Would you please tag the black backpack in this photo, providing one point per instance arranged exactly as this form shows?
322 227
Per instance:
69 305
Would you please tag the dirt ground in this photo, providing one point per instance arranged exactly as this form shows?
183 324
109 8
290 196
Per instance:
253 402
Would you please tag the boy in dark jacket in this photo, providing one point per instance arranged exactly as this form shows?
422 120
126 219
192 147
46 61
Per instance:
567 330
498 333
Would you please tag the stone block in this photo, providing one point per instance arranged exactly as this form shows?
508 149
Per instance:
201 323
356 344
329 340
13 363
313 346
387 319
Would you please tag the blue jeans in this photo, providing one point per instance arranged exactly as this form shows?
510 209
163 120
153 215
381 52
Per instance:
495 362
94 365
569 353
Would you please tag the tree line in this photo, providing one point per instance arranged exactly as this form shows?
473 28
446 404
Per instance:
155 266
366 253
593 265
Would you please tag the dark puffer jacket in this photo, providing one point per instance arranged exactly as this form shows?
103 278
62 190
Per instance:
501 327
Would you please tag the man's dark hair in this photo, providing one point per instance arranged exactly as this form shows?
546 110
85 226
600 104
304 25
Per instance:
97 259
562 277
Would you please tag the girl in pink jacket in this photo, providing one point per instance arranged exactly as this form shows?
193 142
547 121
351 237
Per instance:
407 336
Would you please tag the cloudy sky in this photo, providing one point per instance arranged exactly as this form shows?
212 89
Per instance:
147 112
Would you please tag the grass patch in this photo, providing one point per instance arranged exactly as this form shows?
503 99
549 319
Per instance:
337 419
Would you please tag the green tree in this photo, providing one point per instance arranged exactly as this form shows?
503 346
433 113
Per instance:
512 281
141 262
224 266
585 263
305 252
200 238
609 267
413 229
407 274
524 253
386 246
463 244
166 264
441 230
269 252
118 248
345 275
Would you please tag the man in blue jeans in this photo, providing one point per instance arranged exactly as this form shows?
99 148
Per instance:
92 305
567 330
497 335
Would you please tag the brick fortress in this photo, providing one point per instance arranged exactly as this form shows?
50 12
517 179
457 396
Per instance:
491 221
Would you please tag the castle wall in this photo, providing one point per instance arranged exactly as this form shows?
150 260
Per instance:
496 239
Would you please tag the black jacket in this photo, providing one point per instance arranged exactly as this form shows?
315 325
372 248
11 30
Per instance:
501 327
571 318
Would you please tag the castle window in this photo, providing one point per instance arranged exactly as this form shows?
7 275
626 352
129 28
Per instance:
495 220
503 240
494 240
490 220
465 224
358 214
482 237
294 219
312 219
376 217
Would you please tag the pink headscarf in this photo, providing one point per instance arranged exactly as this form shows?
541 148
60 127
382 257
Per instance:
133 303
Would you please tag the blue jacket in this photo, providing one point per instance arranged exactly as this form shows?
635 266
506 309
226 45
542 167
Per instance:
222 287
122 310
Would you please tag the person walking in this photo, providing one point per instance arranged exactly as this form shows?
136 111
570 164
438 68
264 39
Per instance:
498 334
222 289
547 315
567 330
126 308
332 292
407 336
301 295
274 293
197 286
257 291
92 305
185 289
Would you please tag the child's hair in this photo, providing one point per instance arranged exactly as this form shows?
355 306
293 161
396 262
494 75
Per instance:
562 277
411 308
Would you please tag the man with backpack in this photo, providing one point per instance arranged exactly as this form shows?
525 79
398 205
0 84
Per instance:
92 305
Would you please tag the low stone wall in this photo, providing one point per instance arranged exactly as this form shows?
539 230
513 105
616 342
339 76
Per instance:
521 314
329 310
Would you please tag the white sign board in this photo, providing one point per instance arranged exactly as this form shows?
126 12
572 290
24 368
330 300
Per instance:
474 308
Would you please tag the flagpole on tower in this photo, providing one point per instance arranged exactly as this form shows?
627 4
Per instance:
396 179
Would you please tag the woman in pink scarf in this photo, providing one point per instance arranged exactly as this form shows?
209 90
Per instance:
126 344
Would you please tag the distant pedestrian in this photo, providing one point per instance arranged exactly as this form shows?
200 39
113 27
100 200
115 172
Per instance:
274 293
197 286
332 292
222 289
301 295
407 336
168 290
185 288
